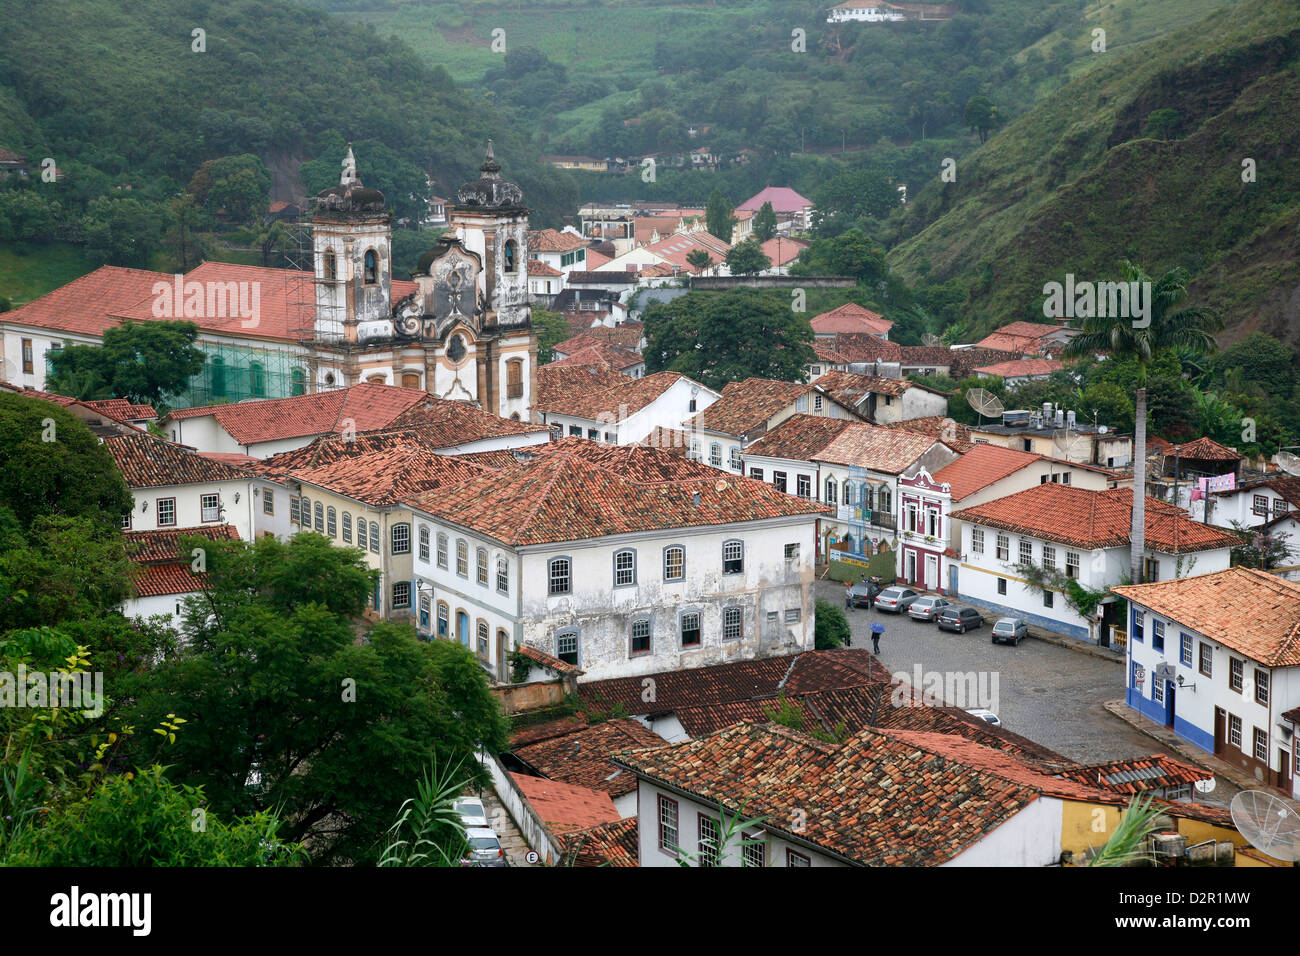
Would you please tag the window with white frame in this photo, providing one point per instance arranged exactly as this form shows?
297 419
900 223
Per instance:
442 550
332 522
667 824
295 514
1261 745
803 486
1026 551
639 640
778 480
268 501
558 576
832 492
166 511
424 542
1259 505
1261 687
736 463
709 849
211 507
1004 547
674 563
126 521
1236 673
1072 564
977 540
483 647
756 474
817 403
733 619
1158 635
691 635
374 537
347 528
753 852
1158 690
481 566
792 615
1139 622
462 558
1185 648
362 540
1206 662
733 557
715 455
798 859
401 534
318 513
792 551
624 568
566 647
503 576
1049 557
1234 730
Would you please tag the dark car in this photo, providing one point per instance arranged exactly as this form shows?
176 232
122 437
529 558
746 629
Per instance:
1010 630
960 619
864 592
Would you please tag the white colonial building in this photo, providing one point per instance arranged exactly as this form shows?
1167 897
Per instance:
619 561
596 402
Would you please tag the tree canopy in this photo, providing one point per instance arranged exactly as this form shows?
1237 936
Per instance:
144 362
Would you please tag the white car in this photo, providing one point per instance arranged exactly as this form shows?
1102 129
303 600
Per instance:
471 811
983 713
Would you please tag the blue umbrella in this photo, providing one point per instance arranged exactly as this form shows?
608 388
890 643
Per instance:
877 627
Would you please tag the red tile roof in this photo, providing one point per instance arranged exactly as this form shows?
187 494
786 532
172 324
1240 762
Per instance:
828 353
121 410
625 336
748 405
597 392
1094 519
886 450
781 250
539 269
89 305
363 407
1022 337
147 461
862 347
851 317
1206 449
799 437
602 354
576 489
673 441
850 388
1251 611
553 240
1138 774
981 466
159 580
953 434
873 801
782 198
1017 368
609 844
556 664
564 806
164 544
379 470
582 757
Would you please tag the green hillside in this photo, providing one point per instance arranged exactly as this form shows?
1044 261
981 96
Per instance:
1083 181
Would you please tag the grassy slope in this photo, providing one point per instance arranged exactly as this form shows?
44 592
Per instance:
1072 186
26 277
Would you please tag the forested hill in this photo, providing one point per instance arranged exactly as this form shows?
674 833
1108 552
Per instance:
1141 158
113 90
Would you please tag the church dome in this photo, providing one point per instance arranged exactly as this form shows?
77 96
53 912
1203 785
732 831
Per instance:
490 191
350 196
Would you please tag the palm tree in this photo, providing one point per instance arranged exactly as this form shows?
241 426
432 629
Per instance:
1168 328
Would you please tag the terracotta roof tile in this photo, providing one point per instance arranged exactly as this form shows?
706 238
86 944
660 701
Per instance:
1094 519
885 450
582 757
1022 337
538 268
88 305
147 461
981 466
1206 449
953 434
851 317
1016 368
164 544
799 438
159 580
601 354
782 198
609 844
597 392
576 489
625 336
1137 774
548 660
564 807
1251 611
674 441
377 469
553 240
746 406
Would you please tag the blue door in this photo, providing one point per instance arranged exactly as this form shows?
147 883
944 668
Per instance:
462 627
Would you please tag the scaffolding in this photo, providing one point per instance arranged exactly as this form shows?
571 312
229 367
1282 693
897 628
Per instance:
234 373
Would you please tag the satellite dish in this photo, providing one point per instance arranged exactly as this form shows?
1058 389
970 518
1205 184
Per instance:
984 402
1270 824
1205 786
929 338
1102 429
1288 461
720 486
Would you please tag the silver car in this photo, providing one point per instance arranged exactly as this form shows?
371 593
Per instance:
1010 630
895 599
926 608
471 811
484 848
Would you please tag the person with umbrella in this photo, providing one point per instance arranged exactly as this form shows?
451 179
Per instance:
876 630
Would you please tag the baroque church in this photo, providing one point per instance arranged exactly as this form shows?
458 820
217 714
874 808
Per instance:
461 330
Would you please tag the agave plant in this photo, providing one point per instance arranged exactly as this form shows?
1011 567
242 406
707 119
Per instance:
428 830
1128 845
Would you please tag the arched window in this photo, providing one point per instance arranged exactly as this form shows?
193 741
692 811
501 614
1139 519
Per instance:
297 382
442 619
481 566
503 575
347 528
320 518
256 379
374 537
733 556
218 382
559 576
306 513
831 491
462 558
332 523
442 550
372 267
674 563
515 378
567 646
481 649
624 568
424 542
361 534
511 260
885 502
331 265
732 620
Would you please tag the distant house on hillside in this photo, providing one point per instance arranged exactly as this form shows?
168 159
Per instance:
793 211
867 11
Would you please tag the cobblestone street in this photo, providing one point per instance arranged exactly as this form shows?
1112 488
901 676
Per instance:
1053 695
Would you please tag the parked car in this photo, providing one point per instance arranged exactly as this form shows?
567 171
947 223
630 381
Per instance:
927 608
471 811
484 848
1010 630
864 592
956 617
983 713
895 599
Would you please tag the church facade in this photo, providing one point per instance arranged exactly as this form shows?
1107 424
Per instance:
465 331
